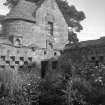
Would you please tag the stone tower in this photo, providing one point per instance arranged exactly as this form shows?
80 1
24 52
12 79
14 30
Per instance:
18 22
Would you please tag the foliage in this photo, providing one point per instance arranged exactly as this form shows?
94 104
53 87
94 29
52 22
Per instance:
10 84
52 92
11 80
19 87
72 38
86 85
72 16
92 84
11 3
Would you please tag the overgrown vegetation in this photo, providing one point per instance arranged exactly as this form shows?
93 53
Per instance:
86 85
70 84
19 87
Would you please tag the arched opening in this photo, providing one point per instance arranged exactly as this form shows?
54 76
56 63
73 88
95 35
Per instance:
17 42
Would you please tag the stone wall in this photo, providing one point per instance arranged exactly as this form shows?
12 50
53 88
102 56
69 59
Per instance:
12 56
49 12
89 55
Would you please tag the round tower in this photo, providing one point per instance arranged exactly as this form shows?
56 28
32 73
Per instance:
18 23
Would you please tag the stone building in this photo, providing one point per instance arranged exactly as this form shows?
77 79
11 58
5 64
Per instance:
32 32
90 52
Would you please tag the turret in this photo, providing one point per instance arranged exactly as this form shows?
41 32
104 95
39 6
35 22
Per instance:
19 20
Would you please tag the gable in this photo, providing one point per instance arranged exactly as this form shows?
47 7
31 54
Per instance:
52 7
50 12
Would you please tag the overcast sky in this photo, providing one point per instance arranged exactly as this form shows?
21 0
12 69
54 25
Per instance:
94 24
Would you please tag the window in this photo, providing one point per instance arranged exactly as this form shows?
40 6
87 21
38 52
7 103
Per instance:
3 58
17 42
101 58
8 62
50 28
29 67
97 63
54 64
2 66
21 67
33 64
16 62
25 62
22 58
33 49
12 67
51 45
30 58
13 58
93 58
45 52
55 53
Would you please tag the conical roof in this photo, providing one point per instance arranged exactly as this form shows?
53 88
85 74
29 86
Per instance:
23 10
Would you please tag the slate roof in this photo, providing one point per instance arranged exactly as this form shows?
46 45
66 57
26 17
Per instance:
89 43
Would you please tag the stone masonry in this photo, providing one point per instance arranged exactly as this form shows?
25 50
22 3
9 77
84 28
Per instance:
32 32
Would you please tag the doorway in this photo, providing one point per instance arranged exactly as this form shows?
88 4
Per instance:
44 68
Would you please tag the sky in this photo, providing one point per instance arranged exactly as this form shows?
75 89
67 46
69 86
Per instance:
94 24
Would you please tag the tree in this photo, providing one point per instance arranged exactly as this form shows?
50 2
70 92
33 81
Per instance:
72 16
11 3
